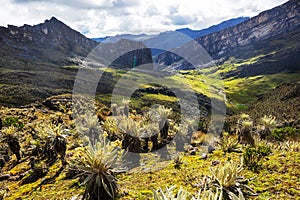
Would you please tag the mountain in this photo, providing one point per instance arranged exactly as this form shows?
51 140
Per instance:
33 58
50 42
215 28
246 39
171 39
114 39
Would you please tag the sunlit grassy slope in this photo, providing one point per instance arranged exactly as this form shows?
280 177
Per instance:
240 91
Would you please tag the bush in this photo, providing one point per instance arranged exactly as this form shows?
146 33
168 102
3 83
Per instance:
253 157
12 121
282 133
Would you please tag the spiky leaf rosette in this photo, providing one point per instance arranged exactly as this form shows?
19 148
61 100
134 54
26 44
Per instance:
229 143
208 195
228 179
168 194
12 140
98 162
164 112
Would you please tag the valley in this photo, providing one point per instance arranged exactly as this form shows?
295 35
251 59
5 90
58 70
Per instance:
112 118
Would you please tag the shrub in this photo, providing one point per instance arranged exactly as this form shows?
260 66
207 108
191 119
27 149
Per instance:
267 124
208 195
56 143
245 125
89 126
164 113
178 160
292 146
225 182
12 140
282 133
12 121
254 156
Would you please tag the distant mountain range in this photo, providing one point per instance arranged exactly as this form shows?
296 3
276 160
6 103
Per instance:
215 28
114 39
171 39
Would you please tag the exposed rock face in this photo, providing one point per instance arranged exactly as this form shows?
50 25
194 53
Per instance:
267 24
51 41
123 54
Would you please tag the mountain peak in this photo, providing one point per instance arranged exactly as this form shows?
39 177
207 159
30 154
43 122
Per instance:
53 20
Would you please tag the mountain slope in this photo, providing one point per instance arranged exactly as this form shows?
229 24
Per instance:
283 102
172 39
268 24
215 28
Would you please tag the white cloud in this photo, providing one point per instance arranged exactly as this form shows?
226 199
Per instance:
97 18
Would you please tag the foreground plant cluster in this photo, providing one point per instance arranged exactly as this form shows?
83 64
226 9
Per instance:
48 154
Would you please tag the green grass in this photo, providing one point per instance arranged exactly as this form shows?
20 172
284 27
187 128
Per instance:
244 91
160 97
240 92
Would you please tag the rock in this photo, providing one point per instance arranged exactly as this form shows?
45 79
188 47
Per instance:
215 162
1 124
210 149
197 138
193 152
203 156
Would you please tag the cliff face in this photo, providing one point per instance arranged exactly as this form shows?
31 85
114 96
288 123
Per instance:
267 24
51 41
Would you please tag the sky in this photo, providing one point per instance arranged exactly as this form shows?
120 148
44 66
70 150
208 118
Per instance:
99 18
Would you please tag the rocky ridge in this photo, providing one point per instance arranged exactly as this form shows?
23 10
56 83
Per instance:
51 41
